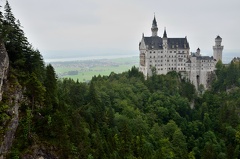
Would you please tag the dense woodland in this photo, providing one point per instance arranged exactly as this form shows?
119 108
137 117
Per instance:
120 115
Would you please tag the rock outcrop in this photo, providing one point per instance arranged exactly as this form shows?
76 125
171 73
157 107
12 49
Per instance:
12 125
4 64
15 97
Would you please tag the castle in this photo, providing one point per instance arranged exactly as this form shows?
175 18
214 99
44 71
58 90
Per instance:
163 54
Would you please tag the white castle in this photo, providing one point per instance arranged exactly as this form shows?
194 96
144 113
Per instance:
173 54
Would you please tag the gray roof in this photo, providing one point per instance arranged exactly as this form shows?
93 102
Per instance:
154 23
157 42
204 58
154 41
218 37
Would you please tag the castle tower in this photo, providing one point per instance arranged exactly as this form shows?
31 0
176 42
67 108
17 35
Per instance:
165 37
154 27
198 52
217 49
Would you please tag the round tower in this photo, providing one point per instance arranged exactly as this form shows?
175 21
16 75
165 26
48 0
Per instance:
154 27
217 49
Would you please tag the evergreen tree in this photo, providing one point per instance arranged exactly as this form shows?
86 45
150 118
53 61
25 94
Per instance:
50 84
9 17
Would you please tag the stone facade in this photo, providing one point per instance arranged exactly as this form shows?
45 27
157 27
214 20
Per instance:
173 54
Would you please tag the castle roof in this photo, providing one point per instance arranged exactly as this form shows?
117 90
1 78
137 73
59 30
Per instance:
218 37
165 33
204 58
156 42
154 23
153 42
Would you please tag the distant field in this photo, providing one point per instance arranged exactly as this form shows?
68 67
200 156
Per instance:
86 69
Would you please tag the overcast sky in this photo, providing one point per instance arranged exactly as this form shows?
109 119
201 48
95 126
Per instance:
116 26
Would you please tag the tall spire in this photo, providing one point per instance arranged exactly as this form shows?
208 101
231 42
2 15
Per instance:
165 33
154 23
154 27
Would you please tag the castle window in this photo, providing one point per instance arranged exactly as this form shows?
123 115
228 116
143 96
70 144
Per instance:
175 51
182 51
150 56
153 56
170 51
150 52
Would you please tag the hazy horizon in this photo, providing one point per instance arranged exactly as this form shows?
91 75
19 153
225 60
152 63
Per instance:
57 56
115 27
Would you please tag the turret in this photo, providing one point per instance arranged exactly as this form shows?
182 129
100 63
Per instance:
165 37
217 49
154 27
198 52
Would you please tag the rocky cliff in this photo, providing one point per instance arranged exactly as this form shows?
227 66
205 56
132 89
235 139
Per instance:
4 64
11 125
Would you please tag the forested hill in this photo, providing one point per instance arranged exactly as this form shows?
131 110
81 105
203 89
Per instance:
116 116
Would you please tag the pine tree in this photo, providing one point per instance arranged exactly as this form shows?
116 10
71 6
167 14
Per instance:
9 17
50 84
